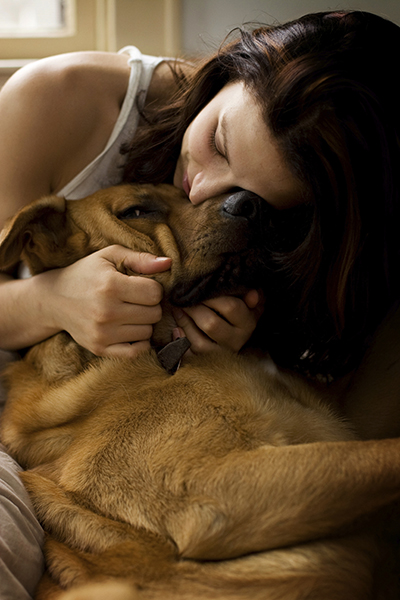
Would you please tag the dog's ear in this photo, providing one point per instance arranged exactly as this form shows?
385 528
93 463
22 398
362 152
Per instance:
38 235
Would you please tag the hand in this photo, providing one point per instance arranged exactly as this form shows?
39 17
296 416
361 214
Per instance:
225 322
105 310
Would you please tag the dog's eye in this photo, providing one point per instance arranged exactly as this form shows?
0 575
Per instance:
133 212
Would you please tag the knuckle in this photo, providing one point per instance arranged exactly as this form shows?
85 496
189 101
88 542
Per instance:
203 346
199 347
106 285
211 323
232 304
142 256
155 292
99 339
156 313
146 332
101 315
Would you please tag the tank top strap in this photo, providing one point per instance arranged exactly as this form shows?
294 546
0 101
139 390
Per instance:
106 169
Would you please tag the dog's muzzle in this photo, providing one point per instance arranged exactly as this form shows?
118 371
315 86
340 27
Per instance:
243 204
246 207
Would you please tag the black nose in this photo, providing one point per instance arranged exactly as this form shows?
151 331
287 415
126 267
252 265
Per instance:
243 204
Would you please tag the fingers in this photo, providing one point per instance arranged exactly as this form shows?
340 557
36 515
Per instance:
115 288
128 350
105 310
226 322
140 262
113 339
255 301
199 341
253 298
126 288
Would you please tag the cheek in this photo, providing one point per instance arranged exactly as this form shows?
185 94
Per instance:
198 147
203 124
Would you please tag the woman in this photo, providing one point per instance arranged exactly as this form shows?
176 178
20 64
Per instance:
324 85
304 114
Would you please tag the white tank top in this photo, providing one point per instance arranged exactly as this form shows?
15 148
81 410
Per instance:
106 169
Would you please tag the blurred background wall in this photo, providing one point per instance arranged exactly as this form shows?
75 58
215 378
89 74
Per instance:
31 29
206 22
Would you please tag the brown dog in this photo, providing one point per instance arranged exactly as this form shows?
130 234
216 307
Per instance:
221 481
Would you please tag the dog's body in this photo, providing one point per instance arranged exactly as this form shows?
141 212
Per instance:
223 480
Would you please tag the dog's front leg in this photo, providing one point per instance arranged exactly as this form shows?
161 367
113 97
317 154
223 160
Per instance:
278 496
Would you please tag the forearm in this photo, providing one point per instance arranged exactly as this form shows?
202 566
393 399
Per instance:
26 312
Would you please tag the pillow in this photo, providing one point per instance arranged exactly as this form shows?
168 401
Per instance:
21 536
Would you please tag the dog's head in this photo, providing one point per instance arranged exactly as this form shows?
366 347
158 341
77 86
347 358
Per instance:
216 247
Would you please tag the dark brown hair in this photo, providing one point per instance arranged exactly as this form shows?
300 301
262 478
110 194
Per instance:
327 89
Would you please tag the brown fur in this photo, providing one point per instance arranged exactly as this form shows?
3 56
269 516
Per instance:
225 480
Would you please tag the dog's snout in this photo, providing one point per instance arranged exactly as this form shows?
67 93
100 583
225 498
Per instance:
243 204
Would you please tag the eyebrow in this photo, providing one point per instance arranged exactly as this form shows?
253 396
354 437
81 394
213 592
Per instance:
224 137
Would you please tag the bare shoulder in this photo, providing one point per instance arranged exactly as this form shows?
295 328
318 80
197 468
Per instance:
55 115
60 74
55 81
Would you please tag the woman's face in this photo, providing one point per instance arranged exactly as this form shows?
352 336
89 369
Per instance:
227 146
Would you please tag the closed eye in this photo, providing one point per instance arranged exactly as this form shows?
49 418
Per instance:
213 143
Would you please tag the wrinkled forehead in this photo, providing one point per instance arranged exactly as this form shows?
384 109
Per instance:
118 198
135 216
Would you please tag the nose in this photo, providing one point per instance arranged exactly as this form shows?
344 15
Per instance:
244 205
206 185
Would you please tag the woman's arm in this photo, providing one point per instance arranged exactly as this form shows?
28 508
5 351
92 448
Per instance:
56 115
101 308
